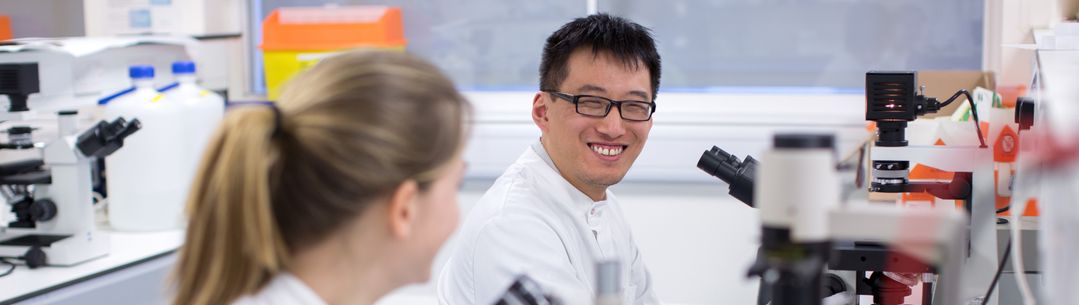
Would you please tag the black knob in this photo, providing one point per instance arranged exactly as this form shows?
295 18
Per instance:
1024 112
34 257
17 130
42 210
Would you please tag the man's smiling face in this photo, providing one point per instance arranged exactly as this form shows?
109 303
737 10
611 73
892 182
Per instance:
593 153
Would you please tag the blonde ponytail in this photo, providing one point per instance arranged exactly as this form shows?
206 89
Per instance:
233 244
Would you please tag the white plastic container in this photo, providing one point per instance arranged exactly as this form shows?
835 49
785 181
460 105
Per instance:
145 179
202 111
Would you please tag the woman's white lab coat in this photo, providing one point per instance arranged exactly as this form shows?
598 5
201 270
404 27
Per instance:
283 289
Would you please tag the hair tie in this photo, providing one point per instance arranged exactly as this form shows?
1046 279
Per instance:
277 116
276 119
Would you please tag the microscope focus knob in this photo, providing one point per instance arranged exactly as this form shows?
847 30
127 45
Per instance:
43 210
35 257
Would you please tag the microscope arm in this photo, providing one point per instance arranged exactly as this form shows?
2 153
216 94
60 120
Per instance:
959 188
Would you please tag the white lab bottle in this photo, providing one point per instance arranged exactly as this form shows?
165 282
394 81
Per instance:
145 186
202 109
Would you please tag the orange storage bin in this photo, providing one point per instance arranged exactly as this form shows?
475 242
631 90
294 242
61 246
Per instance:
296 38
5 28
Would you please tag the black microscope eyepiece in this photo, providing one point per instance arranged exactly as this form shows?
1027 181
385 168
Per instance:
738 174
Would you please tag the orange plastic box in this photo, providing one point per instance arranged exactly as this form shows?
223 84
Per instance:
296 38
5 28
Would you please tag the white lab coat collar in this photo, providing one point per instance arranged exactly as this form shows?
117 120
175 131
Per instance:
578 196
283 289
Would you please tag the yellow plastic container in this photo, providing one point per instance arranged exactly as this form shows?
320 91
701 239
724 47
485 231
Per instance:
280 66
296 38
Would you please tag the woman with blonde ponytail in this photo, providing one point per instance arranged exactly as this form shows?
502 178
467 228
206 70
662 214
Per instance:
341 192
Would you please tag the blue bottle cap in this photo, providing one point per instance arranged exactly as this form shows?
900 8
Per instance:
141 71
183 67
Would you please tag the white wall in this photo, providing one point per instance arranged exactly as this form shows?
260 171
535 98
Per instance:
685 125
1010 23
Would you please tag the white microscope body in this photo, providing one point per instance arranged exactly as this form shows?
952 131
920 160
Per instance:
49 213
52 199
68 237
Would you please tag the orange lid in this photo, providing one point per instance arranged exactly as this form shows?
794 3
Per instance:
332 28
5 27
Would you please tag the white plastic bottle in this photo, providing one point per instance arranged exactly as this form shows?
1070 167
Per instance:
146 190
202 111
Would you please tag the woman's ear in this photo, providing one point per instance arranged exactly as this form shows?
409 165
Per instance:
402 209
539 111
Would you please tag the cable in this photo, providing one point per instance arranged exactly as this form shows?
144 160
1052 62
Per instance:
977 122
1019 200
9 270
1000 269
973 112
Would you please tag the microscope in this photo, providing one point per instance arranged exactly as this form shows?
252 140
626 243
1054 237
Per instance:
859 240
891 102
51 215
797 189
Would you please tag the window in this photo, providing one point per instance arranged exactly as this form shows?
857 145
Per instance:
706 45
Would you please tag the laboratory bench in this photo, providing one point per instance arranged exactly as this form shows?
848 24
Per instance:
132 273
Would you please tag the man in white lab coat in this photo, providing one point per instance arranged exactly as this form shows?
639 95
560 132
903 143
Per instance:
550 215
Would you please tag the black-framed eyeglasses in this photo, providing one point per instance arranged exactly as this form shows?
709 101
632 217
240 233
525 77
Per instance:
599 107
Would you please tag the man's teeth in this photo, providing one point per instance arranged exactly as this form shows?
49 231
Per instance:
607 151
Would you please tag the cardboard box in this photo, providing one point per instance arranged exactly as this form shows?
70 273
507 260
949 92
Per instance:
941 84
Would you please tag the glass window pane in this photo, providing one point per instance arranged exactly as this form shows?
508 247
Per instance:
806 43
496 44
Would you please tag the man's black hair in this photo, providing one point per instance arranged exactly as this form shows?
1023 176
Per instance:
625 40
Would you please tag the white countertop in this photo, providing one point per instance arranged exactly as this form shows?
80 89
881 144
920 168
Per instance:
127 248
